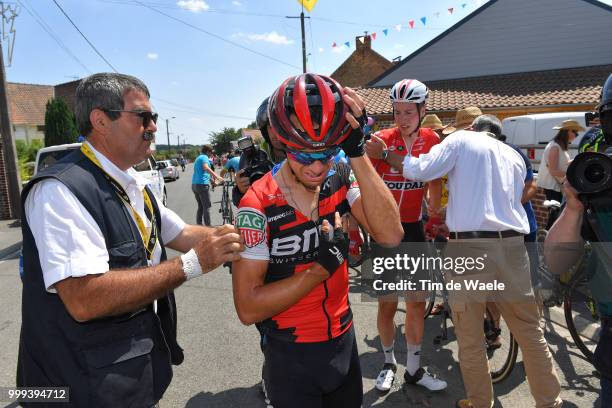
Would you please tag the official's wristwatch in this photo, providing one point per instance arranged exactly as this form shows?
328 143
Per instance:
385 154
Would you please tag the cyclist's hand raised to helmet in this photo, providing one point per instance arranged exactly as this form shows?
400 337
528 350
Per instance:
333 245
354 144
242 181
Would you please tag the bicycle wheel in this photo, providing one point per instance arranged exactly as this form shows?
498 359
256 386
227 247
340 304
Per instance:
502 348
582 317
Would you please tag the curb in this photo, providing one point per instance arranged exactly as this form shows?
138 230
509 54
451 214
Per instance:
9 250
585 328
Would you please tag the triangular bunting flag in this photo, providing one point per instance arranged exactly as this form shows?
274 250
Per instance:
373 36
437 14
334 45
386 31
308 4
362 39
424 20
450 10
411 23
398 27
463 5
348 44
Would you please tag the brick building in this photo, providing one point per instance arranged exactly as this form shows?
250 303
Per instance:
362 66
27 107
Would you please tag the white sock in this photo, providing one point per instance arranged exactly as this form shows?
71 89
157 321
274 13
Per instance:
389 354
413 361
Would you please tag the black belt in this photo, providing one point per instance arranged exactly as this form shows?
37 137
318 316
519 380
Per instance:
485 234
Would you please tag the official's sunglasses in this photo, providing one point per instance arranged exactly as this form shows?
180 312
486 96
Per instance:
147 116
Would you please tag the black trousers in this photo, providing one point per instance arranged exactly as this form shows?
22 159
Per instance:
202 196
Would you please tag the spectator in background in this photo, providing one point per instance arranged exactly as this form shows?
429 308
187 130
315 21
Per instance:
200 184
433 122
231 165
555 160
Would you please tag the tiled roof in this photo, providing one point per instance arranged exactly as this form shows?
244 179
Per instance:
28 103
573 86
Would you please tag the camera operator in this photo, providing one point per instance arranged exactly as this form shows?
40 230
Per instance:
271 149
587 216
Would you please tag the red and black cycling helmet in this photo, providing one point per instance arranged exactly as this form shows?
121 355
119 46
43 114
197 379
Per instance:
313 99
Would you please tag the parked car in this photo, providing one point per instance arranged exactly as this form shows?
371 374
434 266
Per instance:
148 168
533 132
169 170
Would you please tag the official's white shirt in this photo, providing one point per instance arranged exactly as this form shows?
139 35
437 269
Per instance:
69 241
485 181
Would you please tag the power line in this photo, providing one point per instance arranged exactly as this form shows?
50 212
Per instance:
83 35
218 37
189 109
39 20
312 47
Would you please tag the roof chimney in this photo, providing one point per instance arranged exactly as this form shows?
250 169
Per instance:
367 42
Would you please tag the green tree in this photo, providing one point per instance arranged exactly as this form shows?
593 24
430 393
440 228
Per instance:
60 124
222 141
252 125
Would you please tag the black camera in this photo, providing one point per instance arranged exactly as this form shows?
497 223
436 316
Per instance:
253 160
590 117
591 172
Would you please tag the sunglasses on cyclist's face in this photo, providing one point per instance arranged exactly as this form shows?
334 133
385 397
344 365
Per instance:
307 158
147 116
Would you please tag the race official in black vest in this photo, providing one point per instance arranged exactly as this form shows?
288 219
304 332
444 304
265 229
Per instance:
98 311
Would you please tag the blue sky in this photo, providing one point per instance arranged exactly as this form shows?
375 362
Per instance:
203 81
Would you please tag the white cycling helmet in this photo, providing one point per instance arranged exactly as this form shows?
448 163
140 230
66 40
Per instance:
409 90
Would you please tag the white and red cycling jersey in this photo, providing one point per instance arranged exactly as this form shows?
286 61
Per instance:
408 193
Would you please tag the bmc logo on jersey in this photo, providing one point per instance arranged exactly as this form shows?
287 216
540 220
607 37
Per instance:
293 244
252 226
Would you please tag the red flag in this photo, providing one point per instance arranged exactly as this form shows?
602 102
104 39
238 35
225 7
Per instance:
334 45
373 36
450 10
411 23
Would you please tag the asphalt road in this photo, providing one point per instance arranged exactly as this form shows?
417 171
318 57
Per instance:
222 364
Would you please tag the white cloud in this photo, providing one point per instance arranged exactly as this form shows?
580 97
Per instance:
152 55
321 49
398 45
236 3
271 37
338 48
195 6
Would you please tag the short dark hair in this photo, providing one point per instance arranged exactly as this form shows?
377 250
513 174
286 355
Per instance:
103 91
206 149
488 123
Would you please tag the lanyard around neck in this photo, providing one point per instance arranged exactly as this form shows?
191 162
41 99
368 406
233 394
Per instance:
148 236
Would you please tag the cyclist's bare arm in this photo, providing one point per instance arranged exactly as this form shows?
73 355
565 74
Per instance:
376 209
255 301
434 197
564 245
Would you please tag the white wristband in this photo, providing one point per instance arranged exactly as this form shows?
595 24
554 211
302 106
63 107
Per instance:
191 265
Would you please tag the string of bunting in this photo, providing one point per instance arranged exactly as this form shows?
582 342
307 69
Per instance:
411 24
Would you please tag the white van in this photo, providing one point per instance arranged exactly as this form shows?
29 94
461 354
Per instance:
533 132
148 168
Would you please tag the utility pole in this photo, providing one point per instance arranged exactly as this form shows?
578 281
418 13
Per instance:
9 152
168 131
302 17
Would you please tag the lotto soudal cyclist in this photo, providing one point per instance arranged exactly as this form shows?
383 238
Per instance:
292 280
409 99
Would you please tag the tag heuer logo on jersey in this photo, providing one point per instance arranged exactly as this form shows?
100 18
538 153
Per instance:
252 226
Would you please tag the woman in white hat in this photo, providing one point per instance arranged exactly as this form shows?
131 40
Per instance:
555 160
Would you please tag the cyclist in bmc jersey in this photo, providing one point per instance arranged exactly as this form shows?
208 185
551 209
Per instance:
409 98
292 279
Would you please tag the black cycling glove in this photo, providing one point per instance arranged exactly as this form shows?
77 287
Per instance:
333 251
354 144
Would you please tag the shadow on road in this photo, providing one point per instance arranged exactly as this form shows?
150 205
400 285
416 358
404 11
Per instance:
232 398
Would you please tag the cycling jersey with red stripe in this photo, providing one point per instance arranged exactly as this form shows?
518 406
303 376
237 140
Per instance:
277 233
408 193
